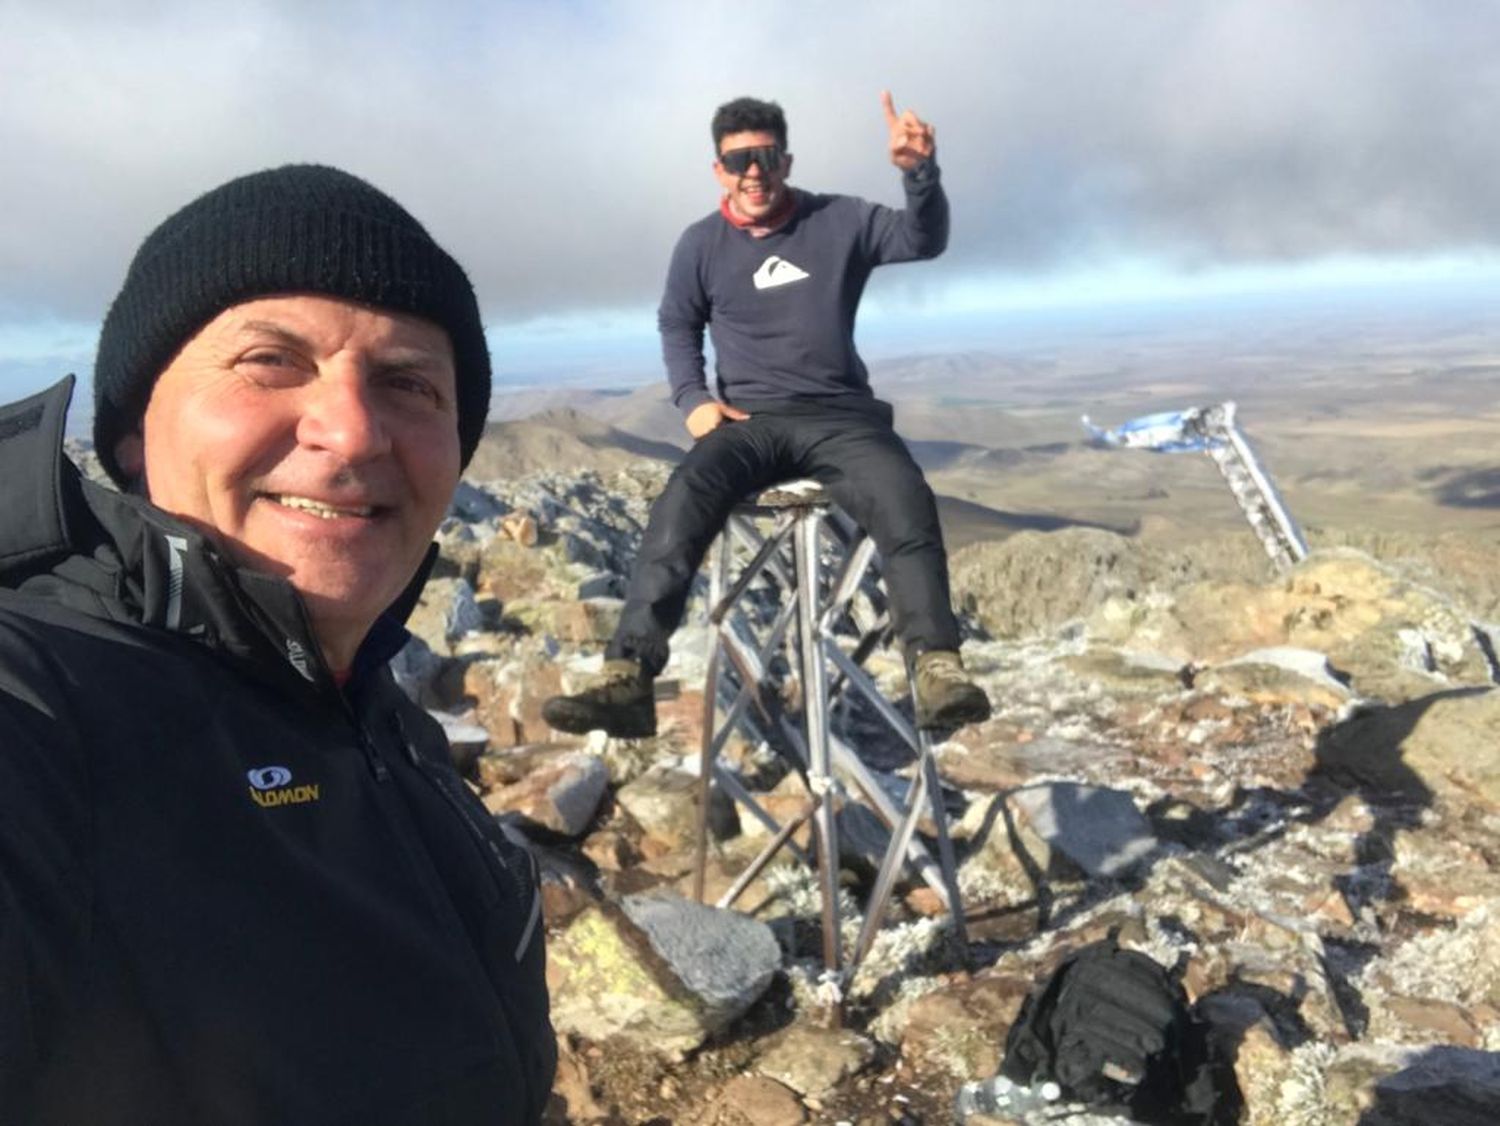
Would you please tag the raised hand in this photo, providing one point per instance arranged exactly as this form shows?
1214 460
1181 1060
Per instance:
912 139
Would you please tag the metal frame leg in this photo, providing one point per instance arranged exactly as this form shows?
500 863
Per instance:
815 717
946 860
708 750
743 652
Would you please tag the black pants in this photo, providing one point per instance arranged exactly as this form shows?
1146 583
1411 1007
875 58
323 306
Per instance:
855 455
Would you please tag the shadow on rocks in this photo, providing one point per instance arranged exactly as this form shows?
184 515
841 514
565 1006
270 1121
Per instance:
1360 756
1363 756
1452 1086
1097 845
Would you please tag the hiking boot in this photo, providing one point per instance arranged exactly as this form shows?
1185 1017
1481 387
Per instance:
946 697
619 700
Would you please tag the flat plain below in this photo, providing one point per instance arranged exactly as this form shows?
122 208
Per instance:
1371 416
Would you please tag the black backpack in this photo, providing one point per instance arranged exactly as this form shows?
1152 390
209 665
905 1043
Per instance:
1113 1029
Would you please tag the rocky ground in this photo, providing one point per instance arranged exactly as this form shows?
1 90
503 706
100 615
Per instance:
1290 783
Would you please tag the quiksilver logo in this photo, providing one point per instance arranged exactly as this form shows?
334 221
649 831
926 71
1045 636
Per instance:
272 786
777 271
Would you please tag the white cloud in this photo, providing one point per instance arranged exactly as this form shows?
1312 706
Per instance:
558 148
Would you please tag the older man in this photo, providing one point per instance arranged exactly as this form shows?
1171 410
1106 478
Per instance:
240 881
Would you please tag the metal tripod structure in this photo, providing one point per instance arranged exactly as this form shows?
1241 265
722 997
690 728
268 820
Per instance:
827 621
1214 431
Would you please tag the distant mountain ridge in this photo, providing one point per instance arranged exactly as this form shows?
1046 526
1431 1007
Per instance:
560 439
569 439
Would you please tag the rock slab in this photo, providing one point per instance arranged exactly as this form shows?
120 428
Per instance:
1099 829
661 972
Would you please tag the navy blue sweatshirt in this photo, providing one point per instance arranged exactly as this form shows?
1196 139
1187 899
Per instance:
781 308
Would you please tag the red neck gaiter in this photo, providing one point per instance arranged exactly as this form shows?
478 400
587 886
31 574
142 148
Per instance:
760 227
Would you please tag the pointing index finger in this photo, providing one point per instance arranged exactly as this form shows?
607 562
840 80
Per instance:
887 104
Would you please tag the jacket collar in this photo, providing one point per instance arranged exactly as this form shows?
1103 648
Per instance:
32 481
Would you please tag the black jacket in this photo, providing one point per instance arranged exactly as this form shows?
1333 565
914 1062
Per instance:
229 891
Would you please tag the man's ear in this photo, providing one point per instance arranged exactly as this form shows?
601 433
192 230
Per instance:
130 456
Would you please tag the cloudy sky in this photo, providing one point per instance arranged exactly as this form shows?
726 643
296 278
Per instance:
1093 151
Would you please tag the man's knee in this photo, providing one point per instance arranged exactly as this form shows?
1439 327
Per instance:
699 496
898 516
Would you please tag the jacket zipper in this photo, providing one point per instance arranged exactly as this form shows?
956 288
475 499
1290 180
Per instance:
443 783
373 756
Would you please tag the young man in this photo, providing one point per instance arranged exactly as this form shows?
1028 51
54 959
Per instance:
240 881
776 275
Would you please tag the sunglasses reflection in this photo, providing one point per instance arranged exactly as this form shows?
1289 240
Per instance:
767 157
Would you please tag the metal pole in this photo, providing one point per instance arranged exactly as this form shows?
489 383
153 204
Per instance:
718 573
814 714
946 858
783 835
890 868
722 604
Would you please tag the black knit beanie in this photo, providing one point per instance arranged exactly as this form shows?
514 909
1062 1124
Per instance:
303 228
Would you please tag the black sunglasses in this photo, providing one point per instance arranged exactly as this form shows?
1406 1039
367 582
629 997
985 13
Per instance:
738 161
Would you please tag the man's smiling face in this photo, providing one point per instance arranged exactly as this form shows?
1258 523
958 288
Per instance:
757 192
312 438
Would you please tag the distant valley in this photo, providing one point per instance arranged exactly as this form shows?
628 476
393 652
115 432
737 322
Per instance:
1367 424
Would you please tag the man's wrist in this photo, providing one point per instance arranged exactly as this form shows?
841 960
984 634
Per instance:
692 400
922 173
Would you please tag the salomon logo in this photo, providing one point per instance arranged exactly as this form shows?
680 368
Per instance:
270 777
271 786
775 271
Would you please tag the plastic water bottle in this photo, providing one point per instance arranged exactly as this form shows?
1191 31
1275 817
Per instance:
1002 1096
